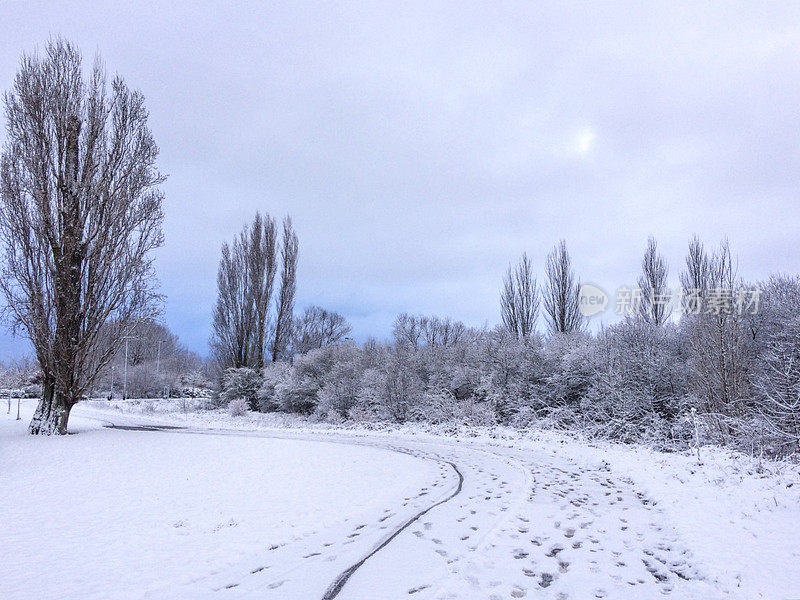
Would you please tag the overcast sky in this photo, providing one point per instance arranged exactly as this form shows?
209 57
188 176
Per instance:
421 147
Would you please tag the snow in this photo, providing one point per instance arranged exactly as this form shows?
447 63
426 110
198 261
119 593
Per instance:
133 514
267 506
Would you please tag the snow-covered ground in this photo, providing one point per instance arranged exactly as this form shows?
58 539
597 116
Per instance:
261 506
133 514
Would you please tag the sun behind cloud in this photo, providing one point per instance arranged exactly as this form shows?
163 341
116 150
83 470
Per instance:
584 141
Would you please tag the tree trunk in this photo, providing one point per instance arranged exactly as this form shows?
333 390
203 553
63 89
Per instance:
51 414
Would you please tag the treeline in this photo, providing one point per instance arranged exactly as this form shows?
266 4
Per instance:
158 365
20 379
715 374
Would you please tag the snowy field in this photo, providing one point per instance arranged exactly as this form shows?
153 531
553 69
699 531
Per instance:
237 507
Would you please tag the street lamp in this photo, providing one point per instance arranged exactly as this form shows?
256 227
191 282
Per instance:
125 376
158 358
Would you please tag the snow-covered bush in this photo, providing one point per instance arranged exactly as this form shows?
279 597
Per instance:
638 383
276 383
776 378
193 384
568 364
341 383
238 407
241 383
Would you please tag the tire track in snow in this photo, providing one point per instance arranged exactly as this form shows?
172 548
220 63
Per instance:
339 583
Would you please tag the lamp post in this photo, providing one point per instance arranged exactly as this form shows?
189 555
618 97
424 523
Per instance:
125 377
158 358
127 338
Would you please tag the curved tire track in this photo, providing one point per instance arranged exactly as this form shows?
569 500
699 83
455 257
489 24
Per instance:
339 583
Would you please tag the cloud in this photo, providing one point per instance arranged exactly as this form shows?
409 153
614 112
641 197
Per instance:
420 149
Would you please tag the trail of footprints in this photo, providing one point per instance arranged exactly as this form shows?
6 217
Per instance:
579 533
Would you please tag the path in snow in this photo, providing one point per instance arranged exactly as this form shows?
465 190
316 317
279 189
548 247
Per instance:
513 525
534 526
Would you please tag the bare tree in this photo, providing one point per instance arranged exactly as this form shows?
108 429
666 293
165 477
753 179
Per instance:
148 341
777 373
412 332
408 331
519 300
229 342
284 303
696 278
244 282
262 265
561 293
318 328
443 332
80 212
718 339
654 308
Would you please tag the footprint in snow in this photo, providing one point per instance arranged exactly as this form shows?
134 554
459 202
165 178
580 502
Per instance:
258 570
546 580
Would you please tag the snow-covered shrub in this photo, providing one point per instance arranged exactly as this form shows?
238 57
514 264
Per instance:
32 391
402 387
516 372
369 405
776 377
191 392
241 383
322 415
276 382
569 371
341 383
193 384
434 407
638 382
440 407
238 407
